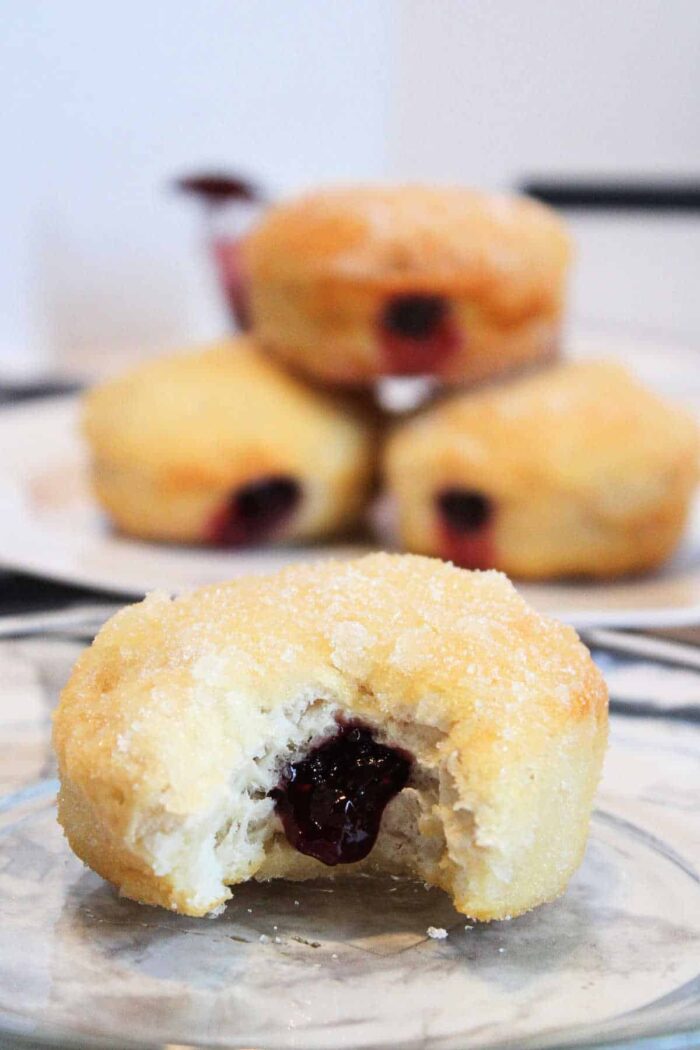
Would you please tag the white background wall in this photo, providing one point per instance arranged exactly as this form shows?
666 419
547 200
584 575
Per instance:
103 104
494 91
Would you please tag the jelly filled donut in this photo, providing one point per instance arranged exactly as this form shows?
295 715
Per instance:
219 446
391 714
577 470
349 285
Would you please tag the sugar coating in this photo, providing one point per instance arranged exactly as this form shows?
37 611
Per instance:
439 233
218 396
177 722
579 426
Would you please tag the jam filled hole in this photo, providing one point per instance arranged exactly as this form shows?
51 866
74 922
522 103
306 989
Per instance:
414 316
464 510
331 802
266 502
256 511
418 334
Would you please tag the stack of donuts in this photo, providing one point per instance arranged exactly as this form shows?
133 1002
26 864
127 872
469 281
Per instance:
516 460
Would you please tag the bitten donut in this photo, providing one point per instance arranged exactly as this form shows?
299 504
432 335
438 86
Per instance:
577 470
350 285
391 714
219 446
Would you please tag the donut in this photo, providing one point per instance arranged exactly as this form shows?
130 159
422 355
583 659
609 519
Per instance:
219 446
349 285
389 714
577 470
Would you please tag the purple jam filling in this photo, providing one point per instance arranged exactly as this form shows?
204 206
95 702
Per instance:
256 511
418 334
331 802
466 528
414 316
464 510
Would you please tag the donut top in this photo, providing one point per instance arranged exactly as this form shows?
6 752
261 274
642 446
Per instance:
576 426
172 690
194 414
409 237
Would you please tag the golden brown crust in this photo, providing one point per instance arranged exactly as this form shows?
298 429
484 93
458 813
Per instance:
171 439
589 471
507 252
504 708
323 268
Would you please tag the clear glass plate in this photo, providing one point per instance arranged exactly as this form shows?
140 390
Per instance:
350 964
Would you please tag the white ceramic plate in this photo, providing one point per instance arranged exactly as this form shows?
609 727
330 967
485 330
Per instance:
49 525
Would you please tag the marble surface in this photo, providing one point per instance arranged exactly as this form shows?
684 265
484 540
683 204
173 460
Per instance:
32 671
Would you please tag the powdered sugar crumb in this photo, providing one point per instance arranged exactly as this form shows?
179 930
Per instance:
216 912
350 642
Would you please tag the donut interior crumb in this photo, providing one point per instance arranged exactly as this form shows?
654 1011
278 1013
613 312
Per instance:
243 837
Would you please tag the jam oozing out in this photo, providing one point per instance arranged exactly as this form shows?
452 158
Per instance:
331 802
234 280
255 512
466 527
418 333
232 196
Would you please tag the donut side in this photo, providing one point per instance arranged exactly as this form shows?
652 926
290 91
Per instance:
575 471
220 447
